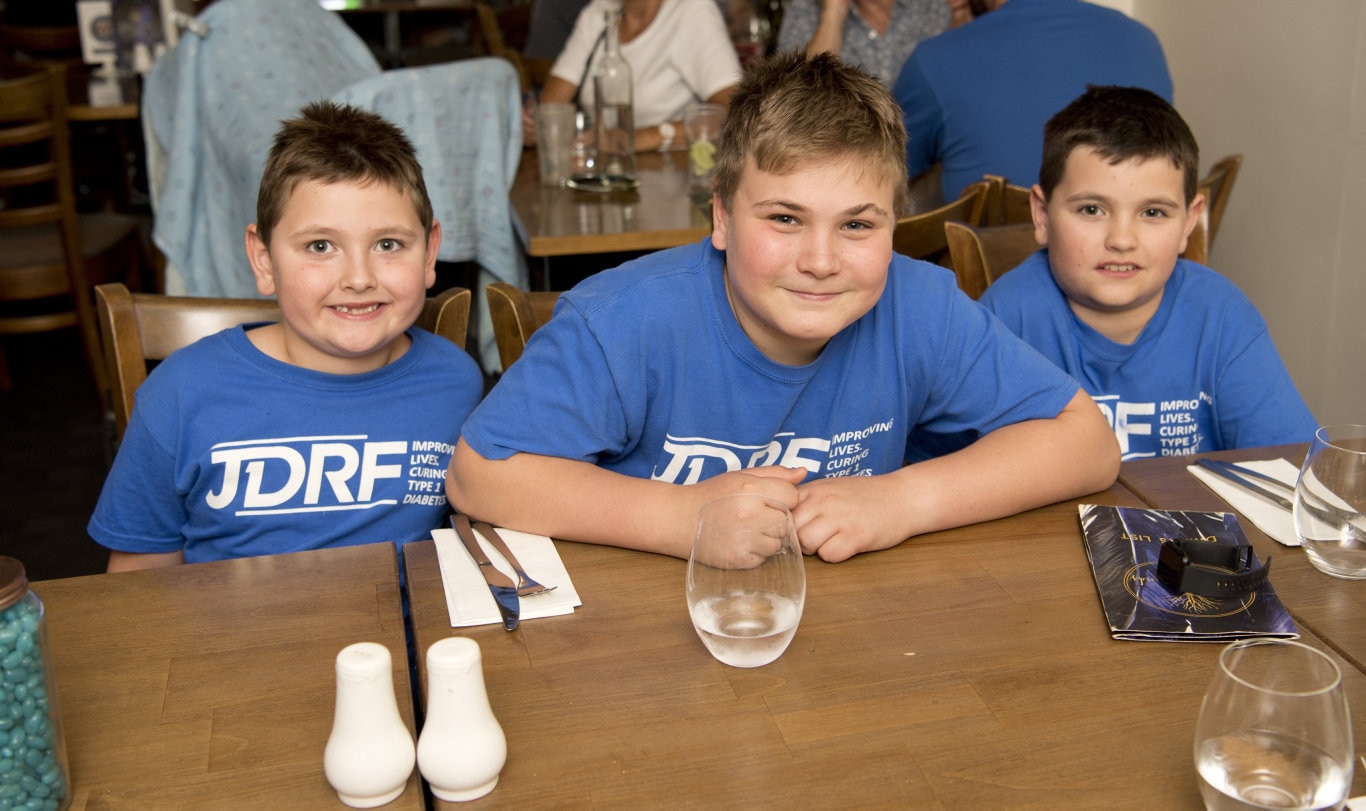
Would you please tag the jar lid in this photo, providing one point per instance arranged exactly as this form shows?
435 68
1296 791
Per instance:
13 582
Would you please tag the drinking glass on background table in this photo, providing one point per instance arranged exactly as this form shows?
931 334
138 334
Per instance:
555 134
1274 729
746 583
701 127
1330 501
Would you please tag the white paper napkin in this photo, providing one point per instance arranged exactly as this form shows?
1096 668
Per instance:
467 594
1269 518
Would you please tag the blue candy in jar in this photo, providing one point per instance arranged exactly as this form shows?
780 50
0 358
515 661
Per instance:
33 771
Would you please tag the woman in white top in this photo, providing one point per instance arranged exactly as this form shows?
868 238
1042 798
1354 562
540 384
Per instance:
679 54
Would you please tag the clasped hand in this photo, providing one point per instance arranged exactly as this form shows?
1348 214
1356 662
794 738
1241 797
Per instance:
836 518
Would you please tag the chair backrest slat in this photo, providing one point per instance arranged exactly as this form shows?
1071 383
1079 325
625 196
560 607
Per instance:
516 314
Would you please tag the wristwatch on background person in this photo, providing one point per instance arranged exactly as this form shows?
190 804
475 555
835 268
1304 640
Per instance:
666 136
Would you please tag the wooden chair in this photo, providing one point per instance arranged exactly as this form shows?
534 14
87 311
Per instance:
503 33
47 44
50 255
142 327
1217 185
921 236
516 314
982 254
1007 203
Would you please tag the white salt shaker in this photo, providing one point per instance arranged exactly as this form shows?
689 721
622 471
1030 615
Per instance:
370 754
462 748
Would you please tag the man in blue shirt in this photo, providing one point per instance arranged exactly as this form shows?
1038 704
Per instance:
975 98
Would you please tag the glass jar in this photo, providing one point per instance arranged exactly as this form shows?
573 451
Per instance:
33 772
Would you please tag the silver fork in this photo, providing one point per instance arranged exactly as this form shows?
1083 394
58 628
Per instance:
526 587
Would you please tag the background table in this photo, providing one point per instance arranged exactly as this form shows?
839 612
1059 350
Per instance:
1330 607
966 669
213 685
564 222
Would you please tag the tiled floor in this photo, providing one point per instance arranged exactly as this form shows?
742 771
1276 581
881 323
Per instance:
54 452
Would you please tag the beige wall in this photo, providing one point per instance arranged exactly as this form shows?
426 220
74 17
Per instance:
1285 85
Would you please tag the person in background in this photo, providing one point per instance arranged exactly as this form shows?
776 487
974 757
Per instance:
1174 354
551 22
976 97
679 52
332 427
876 35
790 354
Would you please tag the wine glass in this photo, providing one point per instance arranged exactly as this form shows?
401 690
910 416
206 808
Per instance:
1274 729
746 582
1330 501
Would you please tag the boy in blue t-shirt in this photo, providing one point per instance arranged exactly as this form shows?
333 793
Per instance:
1177 358
332 427
790 354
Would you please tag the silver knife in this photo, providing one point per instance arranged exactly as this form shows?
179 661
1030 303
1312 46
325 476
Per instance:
1228 471
500 585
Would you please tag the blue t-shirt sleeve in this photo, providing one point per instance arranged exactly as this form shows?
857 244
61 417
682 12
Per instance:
584 421
987 378
141 508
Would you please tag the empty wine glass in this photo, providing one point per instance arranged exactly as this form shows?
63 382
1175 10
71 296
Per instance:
746 582
1274 729
1330 501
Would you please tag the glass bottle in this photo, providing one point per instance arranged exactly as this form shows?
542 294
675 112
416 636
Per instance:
613 113
33 769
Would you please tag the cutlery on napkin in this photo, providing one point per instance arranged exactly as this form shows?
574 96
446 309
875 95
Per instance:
1275 521
467 595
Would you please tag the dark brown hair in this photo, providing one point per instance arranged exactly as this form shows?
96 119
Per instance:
1119 123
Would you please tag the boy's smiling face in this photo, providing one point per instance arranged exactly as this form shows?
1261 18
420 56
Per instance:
807 253
350 266
1114 232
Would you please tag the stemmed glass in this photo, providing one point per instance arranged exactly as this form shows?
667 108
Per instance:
1274 729
1330 501
746 583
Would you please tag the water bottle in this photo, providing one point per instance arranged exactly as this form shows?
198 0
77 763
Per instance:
612 113
33 771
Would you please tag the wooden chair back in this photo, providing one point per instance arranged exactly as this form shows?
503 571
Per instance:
516 314
49 254
139 328
59 44
921 236
503 33
982 254
1007 203
1217 186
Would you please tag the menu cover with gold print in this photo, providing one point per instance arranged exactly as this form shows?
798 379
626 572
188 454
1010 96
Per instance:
1122 544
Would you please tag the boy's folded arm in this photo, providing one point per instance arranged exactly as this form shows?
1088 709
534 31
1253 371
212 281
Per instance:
1014 468
1017 467
578 501
132 561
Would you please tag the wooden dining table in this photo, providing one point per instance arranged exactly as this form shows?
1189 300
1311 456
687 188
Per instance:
213 685
561 221
1330 607
970 668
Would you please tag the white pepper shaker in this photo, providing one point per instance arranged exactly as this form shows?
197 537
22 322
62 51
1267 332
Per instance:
370 754
461 749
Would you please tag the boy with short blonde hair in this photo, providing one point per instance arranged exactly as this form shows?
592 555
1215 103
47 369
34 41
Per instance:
332 427
1177 358
790 354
